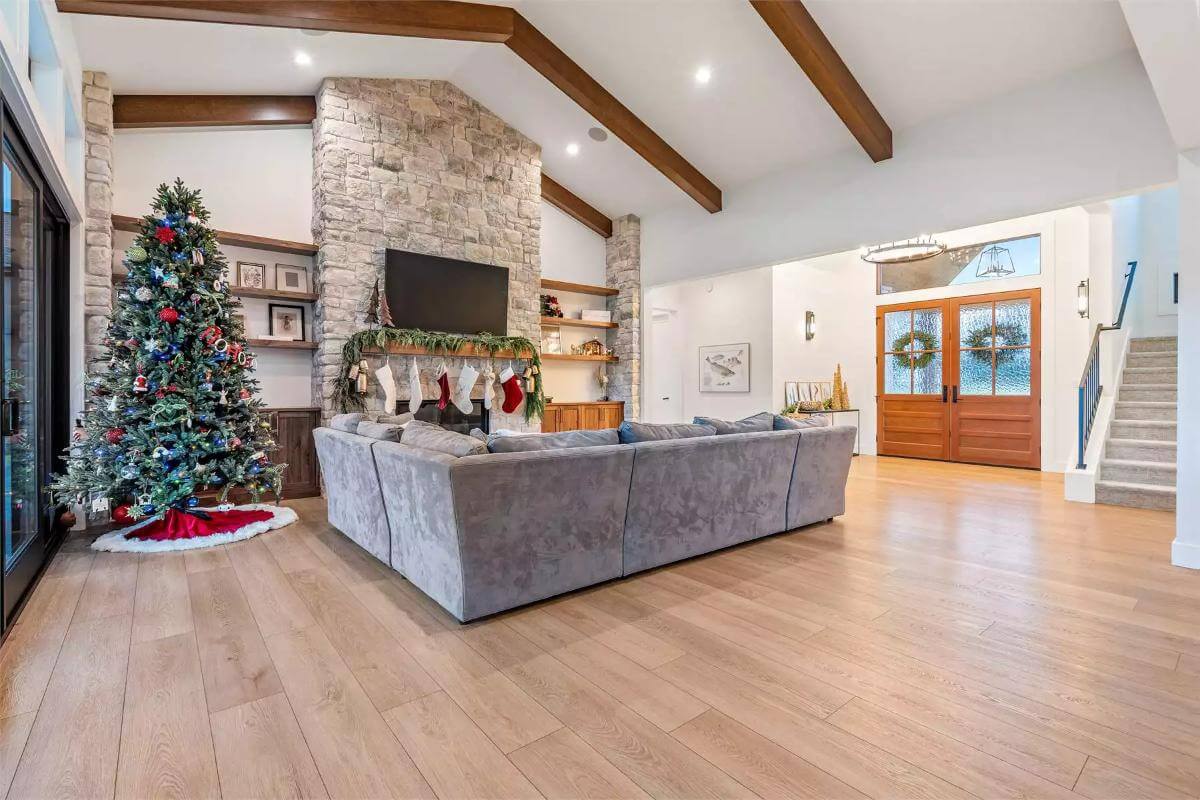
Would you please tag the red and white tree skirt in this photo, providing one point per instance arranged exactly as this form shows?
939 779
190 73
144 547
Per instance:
178 530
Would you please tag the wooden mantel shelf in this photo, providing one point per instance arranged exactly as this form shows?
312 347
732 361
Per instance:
466 351
555 322
274 294
580 288
573 357
282 344
123 223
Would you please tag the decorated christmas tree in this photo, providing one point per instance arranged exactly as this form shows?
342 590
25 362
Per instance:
175 411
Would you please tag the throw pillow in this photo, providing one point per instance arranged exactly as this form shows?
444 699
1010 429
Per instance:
632 432
551 441
395 419
347 423
763 421
380 430
783 423
433 437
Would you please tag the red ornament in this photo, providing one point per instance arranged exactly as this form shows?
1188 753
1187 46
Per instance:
160 394
244 394
211 334
236 442
121 514
169 315
164 234
113 435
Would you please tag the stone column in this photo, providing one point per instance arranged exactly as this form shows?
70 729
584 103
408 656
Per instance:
417 165
98 238
623 262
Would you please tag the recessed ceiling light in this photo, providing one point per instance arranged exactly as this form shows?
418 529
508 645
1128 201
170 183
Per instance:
598 134
302 59
573 149
703 75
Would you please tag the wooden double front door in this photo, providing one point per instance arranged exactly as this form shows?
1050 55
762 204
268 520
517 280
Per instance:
960 379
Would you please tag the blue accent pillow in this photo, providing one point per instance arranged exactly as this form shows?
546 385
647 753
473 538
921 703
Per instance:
633 432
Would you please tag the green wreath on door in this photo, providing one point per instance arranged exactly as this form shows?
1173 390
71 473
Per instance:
917 340
1007 335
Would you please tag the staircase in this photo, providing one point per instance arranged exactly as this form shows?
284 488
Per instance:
1138 468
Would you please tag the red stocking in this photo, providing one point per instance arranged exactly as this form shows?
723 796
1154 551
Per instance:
512 390
443 382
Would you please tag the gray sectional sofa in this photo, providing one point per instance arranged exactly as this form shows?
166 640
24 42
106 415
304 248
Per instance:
489 532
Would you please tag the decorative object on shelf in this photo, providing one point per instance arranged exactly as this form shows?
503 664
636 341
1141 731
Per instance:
995 262
286 321
252 275
839 398
595 315
810 326
1083 298
791 393
550 307
372 315
434 342
167 371
906 251
725 367
552 341
592 347
290 278
602 381
807 396
921 346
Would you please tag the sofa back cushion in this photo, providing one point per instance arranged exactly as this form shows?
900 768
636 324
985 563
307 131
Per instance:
395 419
346 423
763 421
436 438
380 430
633 432
551 441
783 423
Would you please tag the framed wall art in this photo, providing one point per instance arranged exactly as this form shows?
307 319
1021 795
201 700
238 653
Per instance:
290 278
285 321
251 275
725 367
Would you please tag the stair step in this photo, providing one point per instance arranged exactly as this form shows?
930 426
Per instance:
1135 410
1154 344
1135 495
1169 359
1154 392
1128 471
1150 375
1140 450
1143 429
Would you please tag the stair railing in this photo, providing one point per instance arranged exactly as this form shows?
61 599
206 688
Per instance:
1090 388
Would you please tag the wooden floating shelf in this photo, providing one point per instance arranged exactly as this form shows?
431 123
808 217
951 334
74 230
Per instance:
281 345
572 357
274 294
579 288
555 322
466 351
123 223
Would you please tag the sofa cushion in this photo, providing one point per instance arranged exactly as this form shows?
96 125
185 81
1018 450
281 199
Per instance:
763 421
551 441
346 423
783 423
434 437
395 419
632 432
380 430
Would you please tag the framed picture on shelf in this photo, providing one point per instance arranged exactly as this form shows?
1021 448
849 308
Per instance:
725 367
251 275
285 322
552 341
290 278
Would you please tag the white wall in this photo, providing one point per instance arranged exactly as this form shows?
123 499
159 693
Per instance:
1088 135
1185 551
727 309
1158 222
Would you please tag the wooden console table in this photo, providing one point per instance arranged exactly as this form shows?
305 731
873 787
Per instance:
583 416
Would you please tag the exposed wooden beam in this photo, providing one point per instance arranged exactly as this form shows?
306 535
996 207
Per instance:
173 111
544 56
435 19
799 33
570 204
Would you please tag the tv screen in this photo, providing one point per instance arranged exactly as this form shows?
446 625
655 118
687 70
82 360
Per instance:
445 294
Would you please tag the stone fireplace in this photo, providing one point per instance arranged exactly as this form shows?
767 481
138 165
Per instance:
417 165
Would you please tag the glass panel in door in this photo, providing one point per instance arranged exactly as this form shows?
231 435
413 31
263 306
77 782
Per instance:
19 423
912 341
995 345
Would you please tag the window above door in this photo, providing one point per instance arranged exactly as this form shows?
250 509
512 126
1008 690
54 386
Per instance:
977 263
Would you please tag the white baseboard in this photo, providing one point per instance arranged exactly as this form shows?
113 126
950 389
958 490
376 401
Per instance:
1185 554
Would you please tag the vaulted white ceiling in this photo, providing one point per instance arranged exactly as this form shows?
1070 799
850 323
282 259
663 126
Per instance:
916 59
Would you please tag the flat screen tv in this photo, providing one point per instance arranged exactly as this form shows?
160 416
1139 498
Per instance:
445 294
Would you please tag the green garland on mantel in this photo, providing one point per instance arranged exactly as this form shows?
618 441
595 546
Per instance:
346 397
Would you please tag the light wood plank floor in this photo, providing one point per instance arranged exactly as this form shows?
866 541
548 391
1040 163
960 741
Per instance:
961 632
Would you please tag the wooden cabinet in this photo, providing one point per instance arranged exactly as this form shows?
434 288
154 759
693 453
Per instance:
583 416
294 432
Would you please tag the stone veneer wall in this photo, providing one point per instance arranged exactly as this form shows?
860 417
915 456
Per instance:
623 271
98 235
417 165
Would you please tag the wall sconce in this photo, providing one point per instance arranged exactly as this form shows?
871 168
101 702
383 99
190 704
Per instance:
810 325
1083 302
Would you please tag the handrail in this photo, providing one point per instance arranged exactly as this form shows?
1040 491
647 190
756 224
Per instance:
1090 388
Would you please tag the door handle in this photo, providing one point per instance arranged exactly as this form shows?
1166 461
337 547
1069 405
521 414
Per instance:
9 417
944 390
954 394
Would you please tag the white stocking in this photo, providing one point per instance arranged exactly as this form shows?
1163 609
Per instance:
489 386
414 387
387 383
461 397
